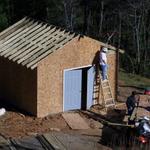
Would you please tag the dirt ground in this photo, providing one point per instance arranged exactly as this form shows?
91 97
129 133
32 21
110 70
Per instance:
14 124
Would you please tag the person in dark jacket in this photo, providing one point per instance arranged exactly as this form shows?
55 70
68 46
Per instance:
132 102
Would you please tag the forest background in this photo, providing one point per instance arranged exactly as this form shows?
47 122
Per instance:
124 24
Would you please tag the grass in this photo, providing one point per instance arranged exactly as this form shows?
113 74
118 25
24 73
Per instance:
134 80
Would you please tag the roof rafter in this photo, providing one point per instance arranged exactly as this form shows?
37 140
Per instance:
29 41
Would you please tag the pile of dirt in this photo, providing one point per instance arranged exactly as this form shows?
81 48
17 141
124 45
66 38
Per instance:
14 124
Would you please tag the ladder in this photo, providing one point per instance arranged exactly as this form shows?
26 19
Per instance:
108 99
96 87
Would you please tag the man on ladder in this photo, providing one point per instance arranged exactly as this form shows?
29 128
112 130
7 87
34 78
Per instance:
108 99
103 62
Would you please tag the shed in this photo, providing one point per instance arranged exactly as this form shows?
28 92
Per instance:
46 69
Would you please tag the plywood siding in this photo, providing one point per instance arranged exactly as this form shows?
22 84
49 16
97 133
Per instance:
77 53
18 86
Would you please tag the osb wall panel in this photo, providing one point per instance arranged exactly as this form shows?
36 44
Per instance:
77 53
18 86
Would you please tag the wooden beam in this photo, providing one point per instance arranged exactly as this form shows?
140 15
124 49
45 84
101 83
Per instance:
111 47
34 63
22 52
52 44
24 41
33 54
133 115
38 35
7 38
15 41
34 27
12 28
23 44
28 53
35 31
12 41
16 46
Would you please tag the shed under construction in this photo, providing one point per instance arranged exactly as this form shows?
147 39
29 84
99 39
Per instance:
45 69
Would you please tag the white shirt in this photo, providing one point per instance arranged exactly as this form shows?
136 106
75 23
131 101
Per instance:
102 58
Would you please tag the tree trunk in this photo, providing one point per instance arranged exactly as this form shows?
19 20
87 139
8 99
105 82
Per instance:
101 19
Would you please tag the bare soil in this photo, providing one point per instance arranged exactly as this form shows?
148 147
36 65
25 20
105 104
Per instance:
14 124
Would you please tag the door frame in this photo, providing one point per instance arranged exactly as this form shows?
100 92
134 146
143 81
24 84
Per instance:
65 70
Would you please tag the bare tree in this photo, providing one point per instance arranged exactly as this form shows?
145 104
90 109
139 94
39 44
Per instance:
69 14
101 18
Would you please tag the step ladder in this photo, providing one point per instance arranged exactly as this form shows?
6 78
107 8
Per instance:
108 99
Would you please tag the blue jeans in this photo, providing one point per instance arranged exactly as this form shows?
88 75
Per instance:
104 71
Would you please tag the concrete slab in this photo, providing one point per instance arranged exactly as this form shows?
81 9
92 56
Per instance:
75 121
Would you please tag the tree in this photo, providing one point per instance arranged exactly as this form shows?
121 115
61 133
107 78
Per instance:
124 24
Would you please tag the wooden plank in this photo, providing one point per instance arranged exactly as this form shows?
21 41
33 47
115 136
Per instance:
35 32
52 43
15 47
3 141
12 51
109 105
24 41
133 115
23 47
6 144
29 144
27 49
20 31
6 39
38 26
33 36
15 41
12 48
54 141
25 58
75 121
12 28
12 41
41 35
112 47
33 64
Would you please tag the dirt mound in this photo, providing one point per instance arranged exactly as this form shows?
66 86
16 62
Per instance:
15 124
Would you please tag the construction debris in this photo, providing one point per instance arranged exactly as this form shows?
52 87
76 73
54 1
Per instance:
52 141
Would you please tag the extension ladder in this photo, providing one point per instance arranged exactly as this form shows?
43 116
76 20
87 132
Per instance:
108 99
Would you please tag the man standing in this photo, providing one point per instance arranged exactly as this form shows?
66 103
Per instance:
103 62
132 102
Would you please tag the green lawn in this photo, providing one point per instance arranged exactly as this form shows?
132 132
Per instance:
134 80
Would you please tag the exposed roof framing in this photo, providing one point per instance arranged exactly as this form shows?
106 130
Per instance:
27 42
